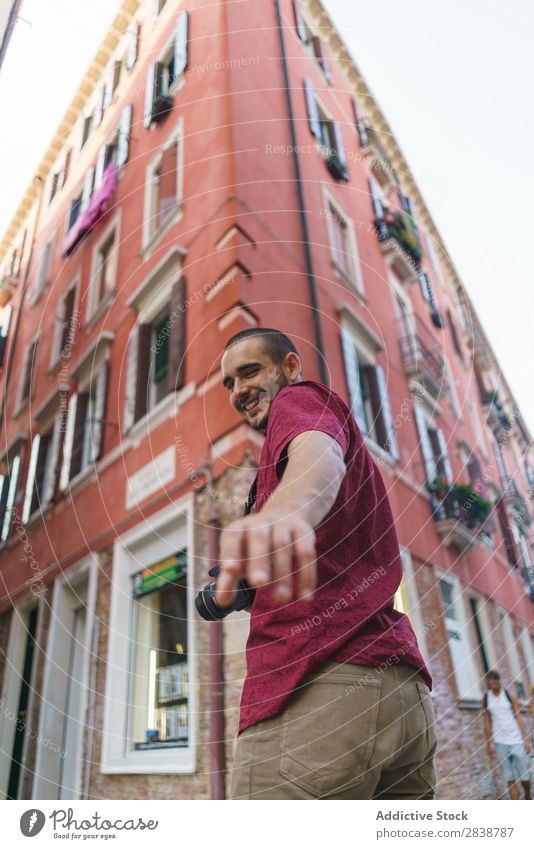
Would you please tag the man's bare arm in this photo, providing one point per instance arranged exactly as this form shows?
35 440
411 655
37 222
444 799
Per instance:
260 547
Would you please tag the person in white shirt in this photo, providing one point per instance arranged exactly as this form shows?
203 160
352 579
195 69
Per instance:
506 735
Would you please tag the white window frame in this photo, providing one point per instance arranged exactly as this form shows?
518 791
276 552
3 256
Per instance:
465 669
413 607
52 704
170 530
57 332
528 650
151 239
354 278
93 310
510 644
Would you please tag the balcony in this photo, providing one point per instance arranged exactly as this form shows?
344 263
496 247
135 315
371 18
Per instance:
494 413
377 159
400 243
513 499
459 513
423 360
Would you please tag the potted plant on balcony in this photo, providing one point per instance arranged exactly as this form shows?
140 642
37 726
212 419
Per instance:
337 167
161 107
462 500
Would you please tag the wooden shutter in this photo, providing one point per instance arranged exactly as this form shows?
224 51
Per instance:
352 371
150 94
322 57
100 411
68 313
133 45
123 142
67 443
4 488
100 163
425 444
454 335
144 361
78 434
360 125
131 379
181 43
87 190
313 110
384 426
30 479
177 347
299 21
50 477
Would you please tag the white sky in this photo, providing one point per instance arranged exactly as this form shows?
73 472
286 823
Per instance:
454 80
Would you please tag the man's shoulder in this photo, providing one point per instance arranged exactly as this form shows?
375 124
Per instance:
297 392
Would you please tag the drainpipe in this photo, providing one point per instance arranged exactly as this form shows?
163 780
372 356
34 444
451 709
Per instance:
216 652
302 208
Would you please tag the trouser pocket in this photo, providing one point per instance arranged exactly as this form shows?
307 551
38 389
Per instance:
329 733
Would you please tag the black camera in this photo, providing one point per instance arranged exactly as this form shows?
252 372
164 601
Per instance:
211 611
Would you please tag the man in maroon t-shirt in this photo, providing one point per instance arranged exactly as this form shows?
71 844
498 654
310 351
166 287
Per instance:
336 700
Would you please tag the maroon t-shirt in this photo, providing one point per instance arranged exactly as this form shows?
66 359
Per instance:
351 618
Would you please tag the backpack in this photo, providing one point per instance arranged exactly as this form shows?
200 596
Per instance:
506 693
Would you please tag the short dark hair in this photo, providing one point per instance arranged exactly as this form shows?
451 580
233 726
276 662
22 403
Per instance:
493 674
275 343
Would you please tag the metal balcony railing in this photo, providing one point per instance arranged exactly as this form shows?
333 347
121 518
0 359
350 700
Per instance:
422 357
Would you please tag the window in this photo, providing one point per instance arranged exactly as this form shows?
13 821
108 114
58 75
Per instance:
83 443
433 445
461 650
368 395
158 708
43 275
512 655
75 209
163 200
482 631
155 359
5 321
454 335
314 43
328 133
104 269
8 493
343 244
164 74
86 128
64 325
41 471
151 650
27 374
407 601
54 186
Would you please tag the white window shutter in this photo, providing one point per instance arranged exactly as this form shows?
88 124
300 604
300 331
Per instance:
99 170
124 135
131 379
425 443
68 443
376 200
313 110
87 187
149 95
99 410
444 454
131 58
12 491
352 372
385 412
340 150
30 480
299 21
181 45
52 460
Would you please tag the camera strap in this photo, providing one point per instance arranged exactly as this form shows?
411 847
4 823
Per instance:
251 497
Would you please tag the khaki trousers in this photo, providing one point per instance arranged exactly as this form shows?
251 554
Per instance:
347 732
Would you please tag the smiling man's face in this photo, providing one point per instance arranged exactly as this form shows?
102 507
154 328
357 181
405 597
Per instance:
253 380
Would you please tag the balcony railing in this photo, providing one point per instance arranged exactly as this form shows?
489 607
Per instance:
513 498
397 225
494 412
459 513
423 360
